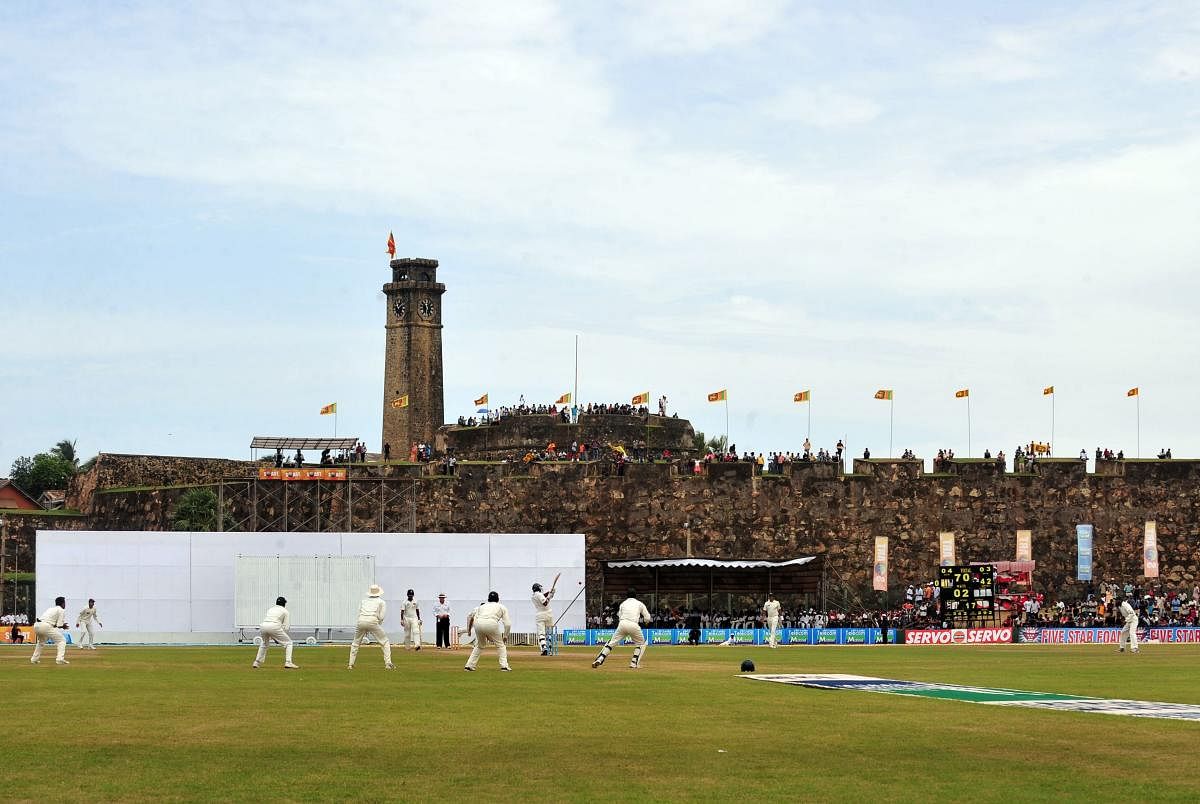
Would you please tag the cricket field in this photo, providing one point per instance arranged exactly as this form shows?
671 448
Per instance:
183 724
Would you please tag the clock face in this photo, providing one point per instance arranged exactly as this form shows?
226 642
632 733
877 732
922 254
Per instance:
425 308
400 308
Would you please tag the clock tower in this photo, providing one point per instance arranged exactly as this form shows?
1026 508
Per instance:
412 365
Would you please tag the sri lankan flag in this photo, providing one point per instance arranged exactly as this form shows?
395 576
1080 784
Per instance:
391 246
962 393
719 396
801 396
642 399
1048 390
325 411
883 393
400 401
565 399
1132 392
481 400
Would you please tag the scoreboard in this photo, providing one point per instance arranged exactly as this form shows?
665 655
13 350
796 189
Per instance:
967 591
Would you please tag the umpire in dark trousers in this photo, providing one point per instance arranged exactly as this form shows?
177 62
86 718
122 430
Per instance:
441 617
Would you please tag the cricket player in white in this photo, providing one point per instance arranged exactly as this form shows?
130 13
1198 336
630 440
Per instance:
1129 629
543 617
84 621
412 622
771 609
275 626
491 625
49 628
630 613
370 621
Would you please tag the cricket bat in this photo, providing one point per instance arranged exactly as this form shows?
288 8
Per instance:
553 585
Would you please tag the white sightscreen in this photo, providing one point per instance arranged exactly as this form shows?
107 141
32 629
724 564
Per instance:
179 582
322 591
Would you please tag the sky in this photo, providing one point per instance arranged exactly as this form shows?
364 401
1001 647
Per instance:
764 198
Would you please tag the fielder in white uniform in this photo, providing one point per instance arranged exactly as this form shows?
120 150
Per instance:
275 626
49 628
370 621
84 622
491 625
771 610
630 613
543 617
1129 629
412 622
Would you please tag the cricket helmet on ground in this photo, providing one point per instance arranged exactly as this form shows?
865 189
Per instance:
747 666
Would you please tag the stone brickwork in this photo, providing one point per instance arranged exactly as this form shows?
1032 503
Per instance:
413 355
514 435
655 510
114 470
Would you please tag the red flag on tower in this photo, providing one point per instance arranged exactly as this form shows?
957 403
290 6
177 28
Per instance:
391 246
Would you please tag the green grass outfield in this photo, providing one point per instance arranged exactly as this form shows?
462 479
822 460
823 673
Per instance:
197 724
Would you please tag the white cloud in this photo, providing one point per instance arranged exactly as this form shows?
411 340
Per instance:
1177 63
698 26
821 106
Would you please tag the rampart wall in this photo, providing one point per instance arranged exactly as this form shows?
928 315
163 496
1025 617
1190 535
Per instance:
660 511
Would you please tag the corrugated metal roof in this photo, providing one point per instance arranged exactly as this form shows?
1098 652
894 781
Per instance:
710 562
291 442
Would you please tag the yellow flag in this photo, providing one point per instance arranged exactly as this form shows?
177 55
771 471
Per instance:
481 400
1132 392
400 401
801 396
641 399
962 393
718 396
1049 389
883 393
325 411
565 399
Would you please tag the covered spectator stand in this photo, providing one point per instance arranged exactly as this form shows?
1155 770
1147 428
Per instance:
797 579
289 444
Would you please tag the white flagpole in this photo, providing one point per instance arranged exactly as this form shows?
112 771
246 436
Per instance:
969 424
891 420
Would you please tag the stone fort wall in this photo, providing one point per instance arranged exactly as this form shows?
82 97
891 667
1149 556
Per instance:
660 510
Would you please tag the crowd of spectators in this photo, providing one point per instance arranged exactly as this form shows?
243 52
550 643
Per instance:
14 619
564 413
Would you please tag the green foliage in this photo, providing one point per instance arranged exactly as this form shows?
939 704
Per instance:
43 471
65 449
196 511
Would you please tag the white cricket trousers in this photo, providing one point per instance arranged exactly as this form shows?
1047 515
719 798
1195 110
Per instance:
488 632
1129 635
279 635
773 630
543 621
626 628
86 637
43 633
373 628
412 632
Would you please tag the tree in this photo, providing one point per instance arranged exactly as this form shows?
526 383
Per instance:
195 511
41 472
718 444
66 450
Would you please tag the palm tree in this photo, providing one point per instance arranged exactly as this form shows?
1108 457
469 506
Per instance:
717 444
195 511
65 449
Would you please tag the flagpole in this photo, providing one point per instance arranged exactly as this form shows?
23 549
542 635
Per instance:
335 422
726 421
1139 423
1052 424
575 398
969 424
808 428
891 420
